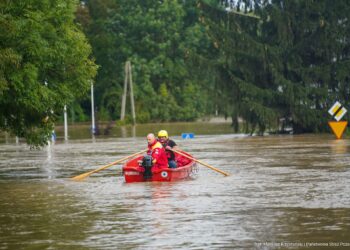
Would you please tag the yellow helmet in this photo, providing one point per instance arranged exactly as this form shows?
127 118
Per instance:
163 133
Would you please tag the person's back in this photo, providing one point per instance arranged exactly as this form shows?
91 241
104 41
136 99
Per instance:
156 150
168 144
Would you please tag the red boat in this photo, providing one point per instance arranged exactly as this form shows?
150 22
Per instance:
134 172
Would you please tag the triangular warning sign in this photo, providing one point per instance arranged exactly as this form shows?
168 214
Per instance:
338 128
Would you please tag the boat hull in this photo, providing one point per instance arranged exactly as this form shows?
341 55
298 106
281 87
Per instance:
134 173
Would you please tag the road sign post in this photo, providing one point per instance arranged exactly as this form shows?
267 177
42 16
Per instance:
338 127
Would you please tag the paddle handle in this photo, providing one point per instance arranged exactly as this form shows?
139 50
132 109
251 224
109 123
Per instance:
118 161
82 176
207 165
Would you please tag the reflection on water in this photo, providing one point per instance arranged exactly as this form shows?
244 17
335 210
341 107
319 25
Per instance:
339 147
174 129
281 189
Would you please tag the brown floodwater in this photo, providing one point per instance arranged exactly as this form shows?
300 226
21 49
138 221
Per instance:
284 192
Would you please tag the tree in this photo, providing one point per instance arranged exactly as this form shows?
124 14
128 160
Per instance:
240 64
44 64
313 63
290 63
157 37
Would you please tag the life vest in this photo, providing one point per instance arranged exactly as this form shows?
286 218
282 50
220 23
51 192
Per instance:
158 154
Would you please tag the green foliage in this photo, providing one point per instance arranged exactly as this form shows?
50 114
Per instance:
260 61
315 49
44 65
157 37
291 63
77 113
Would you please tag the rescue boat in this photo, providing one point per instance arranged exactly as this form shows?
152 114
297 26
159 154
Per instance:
135 171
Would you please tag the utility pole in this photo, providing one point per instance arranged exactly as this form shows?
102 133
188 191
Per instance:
131 94
128 81
6 135
93 129
65 124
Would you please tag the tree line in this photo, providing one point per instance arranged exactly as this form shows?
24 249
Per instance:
273 64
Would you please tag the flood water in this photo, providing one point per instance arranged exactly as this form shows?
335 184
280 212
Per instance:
284 192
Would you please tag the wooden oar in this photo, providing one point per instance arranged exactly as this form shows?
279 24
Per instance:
83 176
204 164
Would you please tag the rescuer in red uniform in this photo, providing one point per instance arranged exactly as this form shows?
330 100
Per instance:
156 150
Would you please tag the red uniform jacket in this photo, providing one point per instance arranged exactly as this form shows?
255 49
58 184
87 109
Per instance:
159 157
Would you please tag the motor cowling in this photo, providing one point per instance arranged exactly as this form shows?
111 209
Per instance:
147 165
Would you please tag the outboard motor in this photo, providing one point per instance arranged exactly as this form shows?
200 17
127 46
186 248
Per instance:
147 165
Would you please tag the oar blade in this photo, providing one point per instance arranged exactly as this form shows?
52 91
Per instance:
204 164
80 177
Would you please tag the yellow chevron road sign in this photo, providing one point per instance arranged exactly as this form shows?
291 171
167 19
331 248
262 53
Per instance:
338 112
